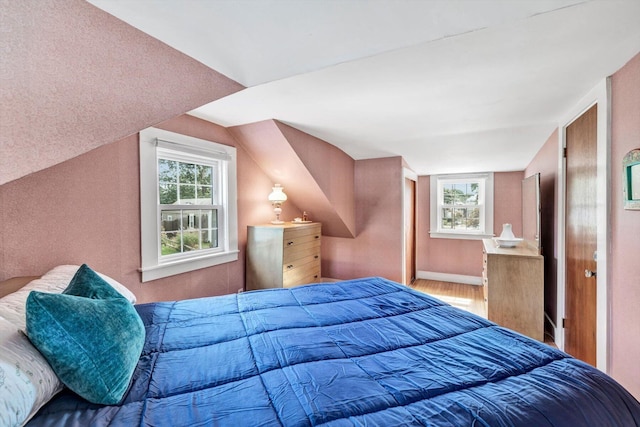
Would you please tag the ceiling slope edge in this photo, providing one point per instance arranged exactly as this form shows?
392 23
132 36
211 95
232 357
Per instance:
304 172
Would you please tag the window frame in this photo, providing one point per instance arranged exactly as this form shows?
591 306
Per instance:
153 143
485 195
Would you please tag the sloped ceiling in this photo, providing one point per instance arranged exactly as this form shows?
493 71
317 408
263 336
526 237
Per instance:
73 78
449 85
273 146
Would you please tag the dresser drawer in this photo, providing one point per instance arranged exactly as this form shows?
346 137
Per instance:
303 250
300 262
294 235
299 274
297 240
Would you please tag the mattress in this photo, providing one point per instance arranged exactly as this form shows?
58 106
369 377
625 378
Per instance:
364 352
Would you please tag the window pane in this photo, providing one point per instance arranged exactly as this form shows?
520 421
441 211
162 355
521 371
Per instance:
447 218
187 194
473 219
448 194
190 220
206 218
205 174
167 170
170 232
461 194
459 218
208 239
187 173
190 241
464 219
473 192
170 220
170 243
188 230
204 195
168 194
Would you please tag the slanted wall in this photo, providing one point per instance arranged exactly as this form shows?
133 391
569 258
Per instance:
317 177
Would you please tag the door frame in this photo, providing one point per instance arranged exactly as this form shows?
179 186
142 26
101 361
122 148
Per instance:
411 175
600 95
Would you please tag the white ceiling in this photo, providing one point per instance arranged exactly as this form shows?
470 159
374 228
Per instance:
450 85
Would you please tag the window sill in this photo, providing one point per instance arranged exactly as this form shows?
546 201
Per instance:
185 265
460 236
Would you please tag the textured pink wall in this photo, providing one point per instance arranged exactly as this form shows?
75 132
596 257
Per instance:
546 163
377 248
624 274
303 165
74 78
507 201
464 257
87 210
332 170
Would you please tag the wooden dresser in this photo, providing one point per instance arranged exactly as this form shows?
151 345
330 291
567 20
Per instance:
283 255
513 280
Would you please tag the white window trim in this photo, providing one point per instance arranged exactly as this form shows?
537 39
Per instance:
152 267
435 232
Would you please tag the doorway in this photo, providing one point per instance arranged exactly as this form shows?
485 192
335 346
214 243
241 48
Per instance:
599 96
409 231
580 320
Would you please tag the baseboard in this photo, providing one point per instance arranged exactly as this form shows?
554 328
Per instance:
446 277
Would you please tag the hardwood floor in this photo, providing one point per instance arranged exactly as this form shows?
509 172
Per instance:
466 297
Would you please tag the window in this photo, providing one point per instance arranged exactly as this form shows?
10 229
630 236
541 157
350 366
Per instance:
188 208
462 206
189 205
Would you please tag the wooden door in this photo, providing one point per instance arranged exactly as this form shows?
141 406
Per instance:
581 237
409 230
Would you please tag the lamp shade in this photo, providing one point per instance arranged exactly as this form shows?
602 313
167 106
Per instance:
277 195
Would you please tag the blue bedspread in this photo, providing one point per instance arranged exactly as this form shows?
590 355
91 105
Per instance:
361 352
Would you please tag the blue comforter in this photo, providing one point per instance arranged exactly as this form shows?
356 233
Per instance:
361 352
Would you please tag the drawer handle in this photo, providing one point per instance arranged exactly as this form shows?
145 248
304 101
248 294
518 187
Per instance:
315 277
316 257
317 237
290 266
289 243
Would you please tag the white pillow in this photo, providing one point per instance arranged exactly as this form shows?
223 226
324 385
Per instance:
56 280
26 380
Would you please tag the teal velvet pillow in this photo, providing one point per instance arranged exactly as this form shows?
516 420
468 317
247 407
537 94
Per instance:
92 341
87 283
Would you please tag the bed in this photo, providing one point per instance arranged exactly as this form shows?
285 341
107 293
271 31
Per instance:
366 352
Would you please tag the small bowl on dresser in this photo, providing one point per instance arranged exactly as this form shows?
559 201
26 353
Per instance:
507 243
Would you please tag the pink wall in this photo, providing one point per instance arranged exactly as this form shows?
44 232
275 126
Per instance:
317 177
377 248
546 163
332 170
87 210
624 270
464 257
75 78
507 201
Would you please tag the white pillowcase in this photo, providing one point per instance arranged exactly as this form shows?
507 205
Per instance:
26 380
12 306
